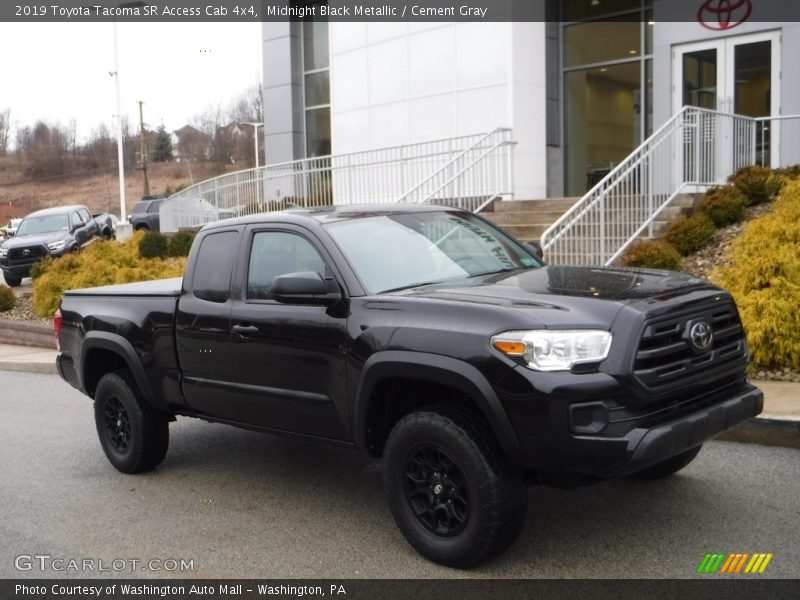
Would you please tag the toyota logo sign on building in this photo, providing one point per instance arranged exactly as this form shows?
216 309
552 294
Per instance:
721 15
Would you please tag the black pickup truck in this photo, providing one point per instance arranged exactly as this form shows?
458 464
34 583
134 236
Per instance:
425 336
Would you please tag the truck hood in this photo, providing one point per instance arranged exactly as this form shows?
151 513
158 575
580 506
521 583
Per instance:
575 295
38 239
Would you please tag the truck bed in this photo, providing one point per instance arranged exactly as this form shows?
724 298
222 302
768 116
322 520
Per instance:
159 287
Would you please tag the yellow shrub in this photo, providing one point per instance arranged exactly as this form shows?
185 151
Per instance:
764 277
101 263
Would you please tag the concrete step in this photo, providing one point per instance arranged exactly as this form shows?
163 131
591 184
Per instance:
550 204
524 218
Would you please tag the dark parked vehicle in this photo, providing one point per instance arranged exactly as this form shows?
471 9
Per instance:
423 335
145 214
48 232
107 224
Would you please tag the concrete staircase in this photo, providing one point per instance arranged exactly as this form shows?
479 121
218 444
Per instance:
527 219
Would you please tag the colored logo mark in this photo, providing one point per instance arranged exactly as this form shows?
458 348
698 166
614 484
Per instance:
735 563
720 15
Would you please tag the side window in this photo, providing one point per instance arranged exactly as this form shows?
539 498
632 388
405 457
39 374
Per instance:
214 265
153 208
276 253
75 220
85 215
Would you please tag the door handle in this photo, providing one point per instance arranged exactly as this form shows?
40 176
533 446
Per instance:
245 330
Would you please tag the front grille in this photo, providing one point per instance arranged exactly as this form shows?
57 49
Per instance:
666 357
27 254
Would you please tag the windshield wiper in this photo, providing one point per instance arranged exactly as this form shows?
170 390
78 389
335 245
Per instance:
410 286
504 270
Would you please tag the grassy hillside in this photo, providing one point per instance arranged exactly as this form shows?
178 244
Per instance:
99 190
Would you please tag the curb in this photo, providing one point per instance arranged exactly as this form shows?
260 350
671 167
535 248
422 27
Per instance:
39 367
766 432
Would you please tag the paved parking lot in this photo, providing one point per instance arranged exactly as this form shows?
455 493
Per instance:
242 504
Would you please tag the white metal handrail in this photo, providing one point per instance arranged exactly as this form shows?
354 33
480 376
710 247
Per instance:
477 168
418 194
697 148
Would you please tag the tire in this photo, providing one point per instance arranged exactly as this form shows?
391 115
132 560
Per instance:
133 435
667 467
446 458
12 281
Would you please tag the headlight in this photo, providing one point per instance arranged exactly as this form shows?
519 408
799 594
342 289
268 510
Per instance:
545 350
56 246
3 252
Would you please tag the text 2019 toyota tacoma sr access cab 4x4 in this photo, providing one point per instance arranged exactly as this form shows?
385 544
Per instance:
425 336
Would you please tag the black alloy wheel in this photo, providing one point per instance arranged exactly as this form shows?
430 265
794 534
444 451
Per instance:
436 491
118 425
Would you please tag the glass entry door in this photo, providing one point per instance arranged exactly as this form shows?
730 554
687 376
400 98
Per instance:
739 75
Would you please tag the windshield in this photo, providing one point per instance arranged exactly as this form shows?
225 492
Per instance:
43 224
394 252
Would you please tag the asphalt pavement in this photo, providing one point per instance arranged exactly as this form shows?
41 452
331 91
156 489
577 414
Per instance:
242 504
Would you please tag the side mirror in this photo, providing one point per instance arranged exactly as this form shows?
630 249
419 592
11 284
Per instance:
305 287
535 248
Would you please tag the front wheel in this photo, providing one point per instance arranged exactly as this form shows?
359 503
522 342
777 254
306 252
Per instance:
451 490
134 436
12 281
667 467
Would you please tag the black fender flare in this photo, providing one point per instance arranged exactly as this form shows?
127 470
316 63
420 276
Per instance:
117 344
436 369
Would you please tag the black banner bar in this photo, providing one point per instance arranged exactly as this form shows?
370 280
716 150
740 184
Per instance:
232 11
733 588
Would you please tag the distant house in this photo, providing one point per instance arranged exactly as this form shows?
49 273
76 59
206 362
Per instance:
192 144
234 143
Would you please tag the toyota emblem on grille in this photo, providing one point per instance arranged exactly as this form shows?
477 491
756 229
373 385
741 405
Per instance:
26 252
701 335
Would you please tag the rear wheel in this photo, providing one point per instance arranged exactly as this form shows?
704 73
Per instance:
451 490
669 466
134 436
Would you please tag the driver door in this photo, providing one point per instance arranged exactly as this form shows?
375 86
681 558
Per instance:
288 359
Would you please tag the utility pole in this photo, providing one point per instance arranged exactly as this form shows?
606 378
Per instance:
255 127
142 151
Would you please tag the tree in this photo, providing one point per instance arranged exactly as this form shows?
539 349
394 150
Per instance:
5 130
163 148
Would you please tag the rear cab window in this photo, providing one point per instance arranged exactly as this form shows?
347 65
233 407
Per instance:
211 280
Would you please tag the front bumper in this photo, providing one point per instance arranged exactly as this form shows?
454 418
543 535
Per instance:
648 447
589 426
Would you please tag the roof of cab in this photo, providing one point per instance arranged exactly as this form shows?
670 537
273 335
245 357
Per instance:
56 210
330 214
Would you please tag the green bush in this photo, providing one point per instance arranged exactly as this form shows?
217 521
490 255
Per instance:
690 234
40 266
652 254
757 184
153 245
180 244
723 205
101 263
8 299
763 275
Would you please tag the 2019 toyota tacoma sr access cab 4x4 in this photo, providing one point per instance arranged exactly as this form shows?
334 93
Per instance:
425 336
48 232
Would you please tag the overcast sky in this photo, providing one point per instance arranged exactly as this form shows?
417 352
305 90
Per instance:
60 71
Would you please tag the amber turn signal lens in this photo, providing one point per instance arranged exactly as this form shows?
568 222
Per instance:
510 348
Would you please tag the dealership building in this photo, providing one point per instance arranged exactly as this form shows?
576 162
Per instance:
580 88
